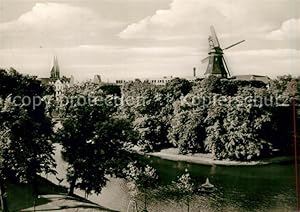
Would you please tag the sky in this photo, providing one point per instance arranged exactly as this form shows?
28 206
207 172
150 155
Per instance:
121 39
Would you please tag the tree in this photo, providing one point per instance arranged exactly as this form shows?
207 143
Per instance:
180 190
94 139
177 88
152 110
29 150
26 148
16 84
144 110
187 126
3 141
284 88
151 132
184 188
111 89
141 180
236 127
211 84
187 131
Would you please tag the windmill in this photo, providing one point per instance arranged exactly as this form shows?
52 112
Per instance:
217 65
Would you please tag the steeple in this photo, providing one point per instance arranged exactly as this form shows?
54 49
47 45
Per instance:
55 73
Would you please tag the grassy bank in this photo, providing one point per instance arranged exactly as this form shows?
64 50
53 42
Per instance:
51 197
207 159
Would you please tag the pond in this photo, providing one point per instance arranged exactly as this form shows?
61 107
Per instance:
239 188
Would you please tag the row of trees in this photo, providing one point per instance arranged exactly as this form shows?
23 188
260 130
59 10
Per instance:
97 137
238 120
152 110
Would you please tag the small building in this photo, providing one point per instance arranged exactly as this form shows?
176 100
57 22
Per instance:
264 79
155 80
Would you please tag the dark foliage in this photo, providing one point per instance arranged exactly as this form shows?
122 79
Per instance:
94 139
27 150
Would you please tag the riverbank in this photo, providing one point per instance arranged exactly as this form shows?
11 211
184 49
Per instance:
59 202
207 159
108 196
51 197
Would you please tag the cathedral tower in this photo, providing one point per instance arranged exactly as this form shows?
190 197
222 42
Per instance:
55 72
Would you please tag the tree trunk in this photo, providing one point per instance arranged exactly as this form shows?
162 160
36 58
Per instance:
145 203
4 207
72 185
136 206
34 185
34 189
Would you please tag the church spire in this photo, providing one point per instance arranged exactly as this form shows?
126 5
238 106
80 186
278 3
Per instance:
55 72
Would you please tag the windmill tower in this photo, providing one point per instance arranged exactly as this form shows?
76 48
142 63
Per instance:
217 65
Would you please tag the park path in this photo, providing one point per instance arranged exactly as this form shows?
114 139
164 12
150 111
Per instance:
64 203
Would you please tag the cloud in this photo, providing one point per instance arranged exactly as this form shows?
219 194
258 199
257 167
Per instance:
270 62
167 23
54 24
109 61
168 42
186 18
138 62
289 29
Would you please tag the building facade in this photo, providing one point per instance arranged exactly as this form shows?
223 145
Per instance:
59 83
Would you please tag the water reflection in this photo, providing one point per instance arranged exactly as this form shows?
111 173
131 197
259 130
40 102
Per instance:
257 188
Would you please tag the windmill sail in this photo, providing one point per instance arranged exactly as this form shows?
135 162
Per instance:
214 37
227 69
216 62
228 47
